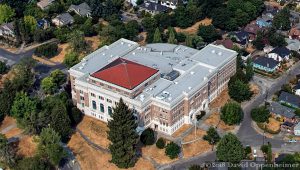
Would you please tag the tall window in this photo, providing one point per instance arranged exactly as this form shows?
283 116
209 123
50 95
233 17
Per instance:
109 111
101 107
94 105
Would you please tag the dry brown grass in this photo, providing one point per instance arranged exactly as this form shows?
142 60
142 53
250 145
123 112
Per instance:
254 88
95 130
7 122
8 48
90 159
194 28
273 124
215 121
63 50
94 42
181 130
157 154
27 146
144 35
42 60
221 100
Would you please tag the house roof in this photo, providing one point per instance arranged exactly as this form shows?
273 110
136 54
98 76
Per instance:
293 44
297 86
7 26
252 28
266 62
125 73
279 109
297 127
152 6
65 18
227 43
281 51
44 3
83 9
289 98
288 124
242 35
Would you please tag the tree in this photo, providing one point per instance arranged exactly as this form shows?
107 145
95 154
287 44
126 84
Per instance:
189 41
232 113
149 24
58 76
46 50
282 20
230 149
276 40
260 114
123 136
172 38
77 41
6 13
41 35
30 24
48 85
249 70
267 150
172 150
34 163
87 28
259 41
71 59
22 108
160 143
3 67
239 91
208 33
7 151
76 116
157 36
148 137
212 136
49 146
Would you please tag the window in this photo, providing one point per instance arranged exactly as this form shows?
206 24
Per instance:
108 100
109 110
81 98
80 91
94 105
101 107
93 81
82 104
93 95
101 98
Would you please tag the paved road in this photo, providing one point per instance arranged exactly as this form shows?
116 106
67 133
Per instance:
12 58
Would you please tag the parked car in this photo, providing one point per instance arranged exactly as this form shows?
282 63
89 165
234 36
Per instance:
292 141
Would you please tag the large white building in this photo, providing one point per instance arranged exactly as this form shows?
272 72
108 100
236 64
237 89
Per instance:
164 84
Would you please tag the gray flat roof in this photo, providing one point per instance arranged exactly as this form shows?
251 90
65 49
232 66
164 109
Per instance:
195 66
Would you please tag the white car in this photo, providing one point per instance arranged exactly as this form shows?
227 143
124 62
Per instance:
292 141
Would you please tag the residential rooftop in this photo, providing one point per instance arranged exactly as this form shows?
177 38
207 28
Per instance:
279 109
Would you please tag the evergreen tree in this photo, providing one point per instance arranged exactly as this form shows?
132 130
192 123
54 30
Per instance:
157 36
7 151
232 113
212 136
123 136
249 70
189 41
172 39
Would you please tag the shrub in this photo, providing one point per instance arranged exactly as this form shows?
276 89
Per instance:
172 150
76 116
160 143
3 67
147 137
47 50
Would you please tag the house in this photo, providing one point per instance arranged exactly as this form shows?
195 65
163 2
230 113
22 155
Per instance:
297 129
285 114
294 33
297 89
252 29
63 19
7 30
265 64
43 24
170 3
227 43
280 54
82 9
241 37
264 22
268 48
293 44
289 99
44 4
152 7
287 127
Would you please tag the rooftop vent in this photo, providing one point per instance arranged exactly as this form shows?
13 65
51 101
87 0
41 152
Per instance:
210 70
122 42
103 53
142 97
129 45
169 98
145 49
80 68
107 47
213 51
111 56
161 53
133 53
219 53
139 48
190 87
176 82
165 92
204 78
83 64
192 72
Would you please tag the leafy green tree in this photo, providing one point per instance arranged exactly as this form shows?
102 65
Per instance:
87 28
3 67
172 38
77 41
34 10
208 33
189 41
230 149
47 50
58 77
157 36
49 146
172 150
276 40
7 151
212 136
282 20
249 69
239 91
131 29
148 137
22 107
259 41
149 24
34 163
6 13
71 59
160 143
291 159
123 136
62 34
41 35
232 113
30 23
48 85
260 114
76 116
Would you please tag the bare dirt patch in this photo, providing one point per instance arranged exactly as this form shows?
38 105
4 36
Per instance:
7 122
63 50
215 121
221 100
43 60
273 125
181 130
157 154
95 130
254 88
89 158
194 28
94 42
27 146
144 35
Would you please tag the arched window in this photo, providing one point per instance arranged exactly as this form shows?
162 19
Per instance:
101 107
109 110
94 105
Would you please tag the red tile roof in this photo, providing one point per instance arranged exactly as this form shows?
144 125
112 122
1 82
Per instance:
125 73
